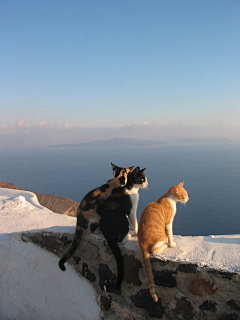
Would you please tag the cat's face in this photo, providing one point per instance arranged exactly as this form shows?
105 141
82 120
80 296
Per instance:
118 171
139 178
180 193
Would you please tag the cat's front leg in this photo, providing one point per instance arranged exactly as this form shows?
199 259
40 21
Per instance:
169 233
133 214
134 224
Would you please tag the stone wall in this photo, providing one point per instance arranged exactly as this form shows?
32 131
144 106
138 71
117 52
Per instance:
185 291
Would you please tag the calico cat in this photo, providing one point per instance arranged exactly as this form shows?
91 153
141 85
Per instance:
115 212
88 218
155 227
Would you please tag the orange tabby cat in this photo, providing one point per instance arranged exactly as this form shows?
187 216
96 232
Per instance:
155 227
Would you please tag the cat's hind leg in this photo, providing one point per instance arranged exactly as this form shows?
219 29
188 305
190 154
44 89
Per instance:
158 247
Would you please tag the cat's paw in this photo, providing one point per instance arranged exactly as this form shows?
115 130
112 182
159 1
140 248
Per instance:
172 244
135 232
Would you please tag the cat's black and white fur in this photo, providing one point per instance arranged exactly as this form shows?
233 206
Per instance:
136 180
115 212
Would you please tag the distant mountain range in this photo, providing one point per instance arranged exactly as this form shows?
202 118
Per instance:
117 142
125 142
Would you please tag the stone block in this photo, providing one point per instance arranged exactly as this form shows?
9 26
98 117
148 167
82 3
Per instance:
86 273
165 278
50 242
209 305
143 299
200 287
226 316
131 268
184 309
187 268
105 302
234 305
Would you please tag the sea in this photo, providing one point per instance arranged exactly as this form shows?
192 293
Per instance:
210 171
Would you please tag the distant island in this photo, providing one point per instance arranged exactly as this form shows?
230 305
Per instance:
117 142
128 142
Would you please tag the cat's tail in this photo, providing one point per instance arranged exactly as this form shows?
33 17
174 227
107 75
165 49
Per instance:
117 254
73 248
149 273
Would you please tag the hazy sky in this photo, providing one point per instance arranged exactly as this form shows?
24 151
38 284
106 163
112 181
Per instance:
75 71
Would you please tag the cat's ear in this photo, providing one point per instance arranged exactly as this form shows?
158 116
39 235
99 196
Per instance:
113 166
128 170
175 189
136 170
143 169
180 184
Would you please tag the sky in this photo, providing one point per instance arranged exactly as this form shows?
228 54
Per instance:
78 71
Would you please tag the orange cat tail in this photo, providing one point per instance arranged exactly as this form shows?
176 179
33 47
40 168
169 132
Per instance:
149 273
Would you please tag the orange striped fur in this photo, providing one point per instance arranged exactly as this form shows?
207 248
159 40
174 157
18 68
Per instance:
155 228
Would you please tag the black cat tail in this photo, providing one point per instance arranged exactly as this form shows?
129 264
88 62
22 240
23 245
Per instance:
117 253
73 248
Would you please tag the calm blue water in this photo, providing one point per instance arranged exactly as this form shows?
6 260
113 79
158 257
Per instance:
211 174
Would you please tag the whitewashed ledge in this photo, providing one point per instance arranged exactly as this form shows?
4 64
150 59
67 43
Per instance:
199 279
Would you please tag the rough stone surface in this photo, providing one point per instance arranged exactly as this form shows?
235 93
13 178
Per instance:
228 275
226 316
144 300
93 262
200 287
187 268
158 261
112 314
165 278
131 268
124 313
87 273
234 304
77 259
105 302
50 242
182 308
208 305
